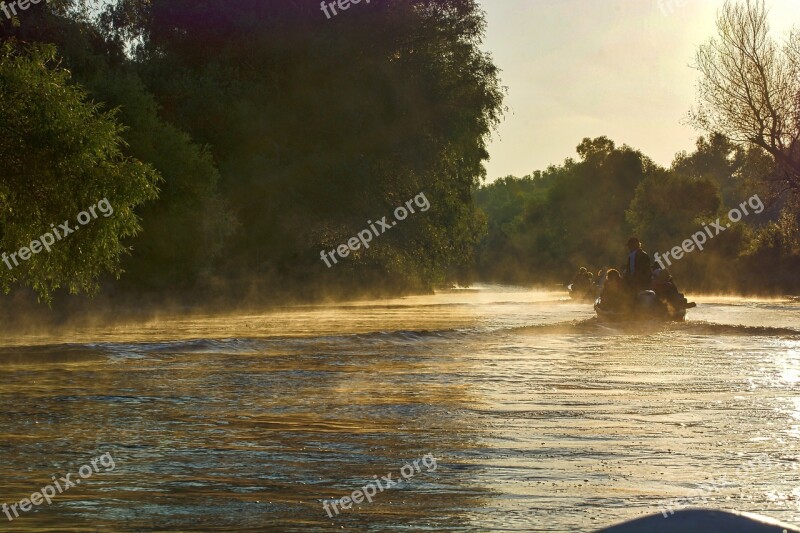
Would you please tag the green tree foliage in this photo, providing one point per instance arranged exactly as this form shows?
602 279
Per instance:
729 166
668 204
773 257
543 226
670 207
184 230
700 187
61 154
305 127
320 125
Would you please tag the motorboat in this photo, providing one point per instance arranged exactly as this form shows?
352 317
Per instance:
647 306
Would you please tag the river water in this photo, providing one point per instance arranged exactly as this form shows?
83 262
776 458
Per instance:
531 416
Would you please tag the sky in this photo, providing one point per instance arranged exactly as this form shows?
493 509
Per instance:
586 68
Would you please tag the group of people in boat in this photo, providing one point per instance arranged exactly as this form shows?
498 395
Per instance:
618 289
585 285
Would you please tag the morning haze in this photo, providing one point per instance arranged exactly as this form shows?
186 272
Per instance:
253 278
583 68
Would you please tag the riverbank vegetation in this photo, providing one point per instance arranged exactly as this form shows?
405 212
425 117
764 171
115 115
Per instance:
271 133
236 140
581 212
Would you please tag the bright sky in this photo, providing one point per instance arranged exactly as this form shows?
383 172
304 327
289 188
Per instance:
585 68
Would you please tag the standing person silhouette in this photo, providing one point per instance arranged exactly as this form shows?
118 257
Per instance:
637 271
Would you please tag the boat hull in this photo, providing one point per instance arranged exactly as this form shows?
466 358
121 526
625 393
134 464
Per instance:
647 307
702 521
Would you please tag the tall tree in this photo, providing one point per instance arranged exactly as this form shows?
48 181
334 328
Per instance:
562 224
184 230
61 154
749 87
320 124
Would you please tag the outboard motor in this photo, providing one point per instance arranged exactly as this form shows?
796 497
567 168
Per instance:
647 303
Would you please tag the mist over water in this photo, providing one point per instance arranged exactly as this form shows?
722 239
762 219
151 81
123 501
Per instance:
539 417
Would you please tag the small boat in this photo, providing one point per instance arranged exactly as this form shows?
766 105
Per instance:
648 306
702 521
585 295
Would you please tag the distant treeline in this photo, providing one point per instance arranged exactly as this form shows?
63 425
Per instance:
236 139
542 227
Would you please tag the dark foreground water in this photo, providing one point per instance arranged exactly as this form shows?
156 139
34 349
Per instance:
531 414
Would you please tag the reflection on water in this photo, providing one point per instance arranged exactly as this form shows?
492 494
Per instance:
539 417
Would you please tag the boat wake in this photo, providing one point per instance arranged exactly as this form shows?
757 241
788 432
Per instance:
594 326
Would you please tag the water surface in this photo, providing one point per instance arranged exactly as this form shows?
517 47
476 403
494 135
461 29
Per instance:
540 419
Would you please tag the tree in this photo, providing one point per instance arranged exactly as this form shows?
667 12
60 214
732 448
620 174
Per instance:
669 205
542 227
61 154
749 88
265 116
319 125
183 231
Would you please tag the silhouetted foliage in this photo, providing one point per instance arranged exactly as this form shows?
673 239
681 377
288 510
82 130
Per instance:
544 226
279 133
565 216
61 154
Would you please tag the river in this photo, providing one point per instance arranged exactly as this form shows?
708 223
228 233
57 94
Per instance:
530 416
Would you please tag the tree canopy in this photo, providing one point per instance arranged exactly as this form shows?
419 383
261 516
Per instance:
62 154
749 88
278 133
237 139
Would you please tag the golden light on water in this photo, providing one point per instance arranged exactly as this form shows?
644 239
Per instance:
525 400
